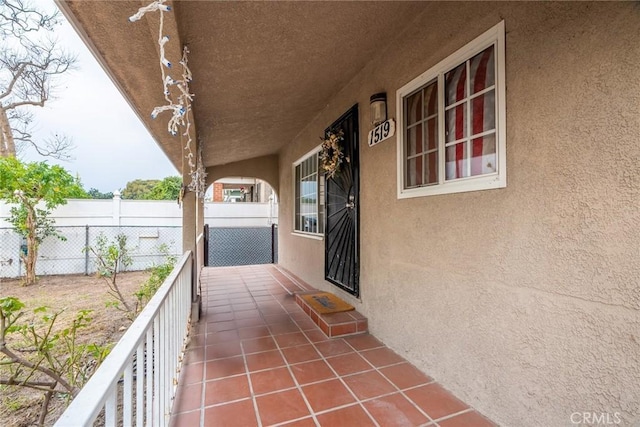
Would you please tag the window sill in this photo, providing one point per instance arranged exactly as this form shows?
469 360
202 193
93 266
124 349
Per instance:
308 235
461 186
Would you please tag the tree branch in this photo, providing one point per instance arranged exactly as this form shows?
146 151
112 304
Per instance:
14 80
23 103
31 384
19 18
57 147
27 364
29 66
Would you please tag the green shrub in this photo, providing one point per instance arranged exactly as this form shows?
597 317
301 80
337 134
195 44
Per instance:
111 258
35 353
159 272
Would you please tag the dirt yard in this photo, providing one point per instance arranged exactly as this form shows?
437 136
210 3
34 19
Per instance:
20 408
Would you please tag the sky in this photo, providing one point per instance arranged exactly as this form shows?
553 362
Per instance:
89 109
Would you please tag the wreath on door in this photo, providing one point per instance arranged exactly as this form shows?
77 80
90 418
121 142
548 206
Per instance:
332 153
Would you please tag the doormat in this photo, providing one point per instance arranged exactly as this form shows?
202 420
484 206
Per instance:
325 303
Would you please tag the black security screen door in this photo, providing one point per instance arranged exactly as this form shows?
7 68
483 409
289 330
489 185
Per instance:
342 235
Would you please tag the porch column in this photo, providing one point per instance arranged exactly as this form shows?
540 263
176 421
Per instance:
189 221
189 236
199 258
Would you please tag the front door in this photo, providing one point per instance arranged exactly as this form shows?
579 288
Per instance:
342 235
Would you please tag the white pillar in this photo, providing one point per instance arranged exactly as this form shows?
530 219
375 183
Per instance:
116 207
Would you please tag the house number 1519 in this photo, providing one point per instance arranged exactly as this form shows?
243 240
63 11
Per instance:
381 132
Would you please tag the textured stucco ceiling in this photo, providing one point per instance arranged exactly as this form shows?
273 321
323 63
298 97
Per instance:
261 70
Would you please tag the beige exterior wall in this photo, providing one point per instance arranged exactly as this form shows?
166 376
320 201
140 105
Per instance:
524 301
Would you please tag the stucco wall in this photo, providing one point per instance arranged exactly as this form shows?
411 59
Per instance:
524 301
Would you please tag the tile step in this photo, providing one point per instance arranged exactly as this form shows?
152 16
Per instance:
334 324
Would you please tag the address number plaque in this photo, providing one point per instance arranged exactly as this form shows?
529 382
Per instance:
381 132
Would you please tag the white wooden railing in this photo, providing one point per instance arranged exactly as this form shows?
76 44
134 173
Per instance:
136 383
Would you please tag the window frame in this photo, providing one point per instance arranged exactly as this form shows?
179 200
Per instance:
494 36
320 203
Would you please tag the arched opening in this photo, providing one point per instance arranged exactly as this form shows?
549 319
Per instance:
241 217
251 202
240 190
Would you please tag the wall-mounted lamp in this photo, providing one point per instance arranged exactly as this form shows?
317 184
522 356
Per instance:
378 103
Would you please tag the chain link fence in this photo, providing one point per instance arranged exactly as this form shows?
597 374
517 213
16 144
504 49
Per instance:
230 246
70 256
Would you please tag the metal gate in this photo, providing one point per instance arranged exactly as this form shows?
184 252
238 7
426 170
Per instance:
342 201
229 246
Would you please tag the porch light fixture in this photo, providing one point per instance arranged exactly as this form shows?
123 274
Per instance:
378 104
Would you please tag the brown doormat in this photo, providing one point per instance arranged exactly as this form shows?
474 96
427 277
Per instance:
325 303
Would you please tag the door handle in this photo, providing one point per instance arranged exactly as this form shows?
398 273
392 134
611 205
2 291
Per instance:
351 203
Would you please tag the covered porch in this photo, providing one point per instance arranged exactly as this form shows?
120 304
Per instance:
520 298
256 359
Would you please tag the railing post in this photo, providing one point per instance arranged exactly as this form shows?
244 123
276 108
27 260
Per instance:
86 250
193 280
273 243
206 245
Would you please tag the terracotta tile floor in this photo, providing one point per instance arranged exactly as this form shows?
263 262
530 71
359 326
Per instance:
255 359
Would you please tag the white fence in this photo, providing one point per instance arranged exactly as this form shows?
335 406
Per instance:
155 213
145 245
148 225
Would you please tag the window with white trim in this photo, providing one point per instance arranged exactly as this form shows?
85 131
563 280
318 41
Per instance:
452 118
308 194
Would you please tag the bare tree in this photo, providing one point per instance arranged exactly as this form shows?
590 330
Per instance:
29 67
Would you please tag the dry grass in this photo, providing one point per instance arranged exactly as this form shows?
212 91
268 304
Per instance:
72 293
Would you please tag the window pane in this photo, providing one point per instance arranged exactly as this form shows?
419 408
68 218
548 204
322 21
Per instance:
308 166
310 223
455 124
309 188
414 140
414 108
414 172
482 70
456 161
431 168
483 113
431 134
306 195
297 198
483 159
303 196
431 99
321 209
456 84
456 128
310 199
